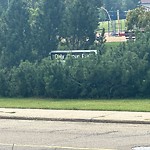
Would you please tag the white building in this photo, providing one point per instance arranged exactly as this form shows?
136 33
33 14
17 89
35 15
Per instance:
146 4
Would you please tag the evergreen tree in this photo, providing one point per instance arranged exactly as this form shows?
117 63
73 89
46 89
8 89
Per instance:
15 34
46 30
80 22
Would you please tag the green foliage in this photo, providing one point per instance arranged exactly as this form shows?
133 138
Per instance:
138 19
81 19
15 35
4 4
120 72
46 29
23 80
30 29
4 82
124 5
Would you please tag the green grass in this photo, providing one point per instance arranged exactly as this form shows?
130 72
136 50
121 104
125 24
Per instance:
112 44
105 105
116 25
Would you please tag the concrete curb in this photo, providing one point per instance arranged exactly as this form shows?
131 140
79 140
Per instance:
76 116
75 120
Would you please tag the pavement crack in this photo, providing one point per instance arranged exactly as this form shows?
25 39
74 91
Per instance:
7 112
106 133
13 112
101 116
94 134
54 131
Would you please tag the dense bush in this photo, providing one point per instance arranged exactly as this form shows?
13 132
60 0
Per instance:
122 71
29 30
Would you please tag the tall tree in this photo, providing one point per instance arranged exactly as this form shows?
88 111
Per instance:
47 27
80 22
15 33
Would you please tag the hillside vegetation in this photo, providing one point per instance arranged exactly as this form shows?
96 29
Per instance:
30 30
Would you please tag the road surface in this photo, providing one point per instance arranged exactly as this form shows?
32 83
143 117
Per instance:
47 135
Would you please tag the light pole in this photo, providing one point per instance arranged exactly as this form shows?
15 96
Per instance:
108 17
107 13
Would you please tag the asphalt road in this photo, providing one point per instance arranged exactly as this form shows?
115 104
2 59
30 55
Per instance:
46 135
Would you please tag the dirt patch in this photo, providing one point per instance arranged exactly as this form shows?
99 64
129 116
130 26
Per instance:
115 39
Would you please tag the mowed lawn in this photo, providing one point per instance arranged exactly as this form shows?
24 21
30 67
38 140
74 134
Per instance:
116 25
79 104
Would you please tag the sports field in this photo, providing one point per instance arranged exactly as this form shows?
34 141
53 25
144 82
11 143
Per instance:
114 25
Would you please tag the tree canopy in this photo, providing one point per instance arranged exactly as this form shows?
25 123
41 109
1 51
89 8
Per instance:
30 29
138 18
123 5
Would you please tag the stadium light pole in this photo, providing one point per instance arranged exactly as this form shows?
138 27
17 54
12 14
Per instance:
108 16
106 12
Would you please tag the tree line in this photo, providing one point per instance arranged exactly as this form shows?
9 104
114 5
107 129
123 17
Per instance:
122 5
30 29
120 72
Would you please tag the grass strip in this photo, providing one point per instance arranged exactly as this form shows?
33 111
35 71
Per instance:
138 105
